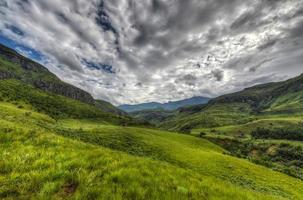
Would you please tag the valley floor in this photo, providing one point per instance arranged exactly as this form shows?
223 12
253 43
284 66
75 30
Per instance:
43 158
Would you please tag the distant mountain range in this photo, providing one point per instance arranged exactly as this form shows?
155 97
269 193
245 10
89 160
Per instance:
172 105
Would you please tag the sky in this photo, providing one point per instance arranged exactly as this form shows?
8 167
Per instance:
128 51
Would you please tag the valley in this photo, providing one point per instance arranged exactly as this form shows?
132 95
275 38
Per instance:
93 160
58 143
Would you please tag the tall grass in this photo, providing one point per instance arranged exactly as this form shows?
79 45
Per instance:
101 161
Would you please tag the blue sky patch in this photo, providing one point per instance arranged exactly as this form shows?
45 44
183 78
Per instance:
103 19
14 29
99 66
27 51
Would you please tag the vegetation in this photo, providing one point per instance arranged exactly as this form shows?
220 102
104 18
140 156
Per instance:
283 156
102 161
213 115
281 99
56 147
54 105
152 116
273 141
293 133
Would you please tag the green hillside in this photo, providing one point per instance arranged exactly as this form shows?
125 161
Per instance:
56 106
263 124
18 67
27 83
56 142
86 159
281 98
152 116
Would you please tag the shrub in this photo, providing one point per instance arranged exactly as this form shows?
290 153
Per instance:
186 129
202 134
290 133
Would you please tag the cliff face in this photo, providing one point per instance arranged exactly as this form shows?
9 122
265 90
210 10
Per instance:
35 74
64 90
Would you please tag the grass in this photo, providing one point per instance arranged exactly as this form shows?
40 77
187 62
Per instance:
213 115
85 159
280 98
54 147
56 106
244 130
281 155
289 103
29 76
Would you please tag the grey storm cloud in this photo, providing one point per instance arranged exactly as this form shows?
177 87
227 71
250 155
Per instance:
187 79
128 51
218 74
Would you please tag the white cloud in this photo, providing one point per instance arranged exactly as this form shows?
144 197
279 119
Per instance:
160 50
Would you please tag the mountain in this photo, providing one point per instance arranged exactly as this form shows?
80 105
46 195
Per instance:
155 116
25 81
139 107
16 66
56 140
90 159
282 98
172 105
285 96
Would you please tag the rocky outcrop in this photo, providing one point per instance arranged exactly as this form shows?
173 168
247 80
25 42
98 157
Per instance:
64 90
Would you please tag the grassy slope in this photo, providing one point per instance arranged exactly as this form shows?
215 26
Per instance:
244 130
212 116
39 163
290 103
268 99
53 105
152 116
282 98
108 107
39 73
26 75
281 155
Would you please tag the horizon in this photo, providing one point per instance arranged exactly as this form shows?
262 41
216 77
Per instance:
174 51
158 102
153 99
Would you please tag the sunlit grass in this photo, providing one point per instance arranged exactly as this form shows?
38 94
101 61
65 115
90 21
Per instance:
100 161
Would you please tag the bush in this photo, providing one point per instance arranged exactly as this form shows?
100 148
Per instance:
202 134
290 133
186 129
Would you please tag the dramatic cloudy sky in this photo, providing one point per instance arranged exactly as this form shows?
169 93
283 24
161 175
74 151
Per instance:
128 51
